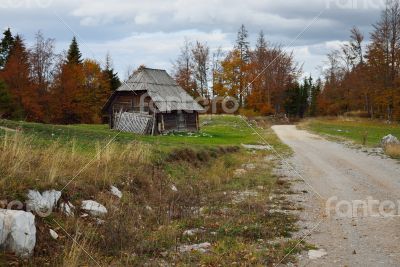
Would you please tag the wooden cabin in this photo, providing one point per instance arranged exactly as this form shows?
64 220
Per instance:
151 102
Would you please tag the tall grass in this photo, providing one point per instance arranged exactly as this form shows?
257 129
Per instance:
24 166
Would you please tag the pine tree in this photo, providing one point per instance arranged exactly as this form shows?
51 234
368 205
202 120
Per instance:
5 46
5 101
111 75
242 44
314 95
74 54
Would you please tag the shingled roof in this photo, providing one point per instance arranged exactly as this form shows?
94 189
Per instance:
166 94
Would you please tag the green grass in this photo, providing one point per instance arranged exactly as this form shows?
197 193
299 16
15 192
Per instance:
216 131
201 167
353 129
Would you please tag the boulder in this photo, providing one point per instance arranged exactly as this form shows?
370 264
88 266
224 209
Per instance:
389 140
116 192
18 232
42 203
94 208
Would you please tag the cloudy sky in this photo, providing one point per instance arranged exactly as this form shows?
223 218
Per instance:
150 32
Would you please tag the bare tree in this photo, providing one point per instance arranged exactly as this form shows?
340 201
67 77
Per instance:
42 58
201 62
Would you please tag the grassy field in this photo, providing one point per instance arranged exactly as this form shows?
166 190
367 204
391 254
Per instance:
215 131
360 131
353 129
193 185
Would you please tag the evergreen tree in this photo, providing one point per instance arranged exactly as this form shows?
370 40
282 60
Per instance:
314 95
111 75
5 46
74 55
242 44
5 101
297 98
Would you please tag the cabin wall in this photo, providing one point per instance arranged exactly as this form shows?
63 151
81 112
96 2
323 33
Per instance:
128 102
174 121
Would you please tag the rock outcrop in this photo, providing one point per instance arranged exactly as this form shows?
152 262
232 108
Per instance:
93 208
18 232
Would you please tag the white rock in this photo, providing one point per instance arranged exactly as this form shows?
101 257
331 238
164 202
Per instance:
94 208
173 188
193 232
18 232
203 248
257 147
389 140
239 172
53 234
116 192
149 208
44 202
249 166
67 208
316 254
100 221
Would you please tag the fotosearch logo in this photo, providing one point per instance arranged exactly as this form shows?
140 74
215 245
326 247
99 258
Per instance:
362 208
355 4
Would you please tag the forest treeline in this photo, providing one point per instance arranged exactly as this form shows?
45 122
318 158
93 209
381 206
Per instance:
360 78
364 77
36 84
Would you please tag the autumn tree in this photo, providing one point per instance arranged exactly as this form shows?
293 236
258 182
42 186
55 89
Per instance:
16 75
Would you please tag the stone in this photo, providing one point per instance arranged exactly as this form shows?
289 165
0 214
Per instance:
249 166
116 192
257 147
202 248
67 208
173 188
316 254
389 140
42 203
53 234
18 233
93 208
239 172
193 232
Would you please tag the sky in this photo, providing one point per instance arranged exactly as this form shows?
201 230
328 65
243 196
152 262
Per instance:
151 32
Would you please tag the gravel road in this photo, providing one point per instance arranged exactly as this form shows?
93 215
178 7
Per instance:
354 228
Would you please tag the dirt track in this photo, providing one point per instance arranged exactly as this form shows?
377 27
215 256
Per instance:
334 170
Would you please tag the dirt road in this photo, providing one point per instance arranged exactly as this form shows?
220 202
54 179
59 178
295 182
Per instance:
356 231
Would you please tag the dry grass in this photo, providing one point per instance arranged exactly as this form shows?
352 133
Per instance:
393 151
23 166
